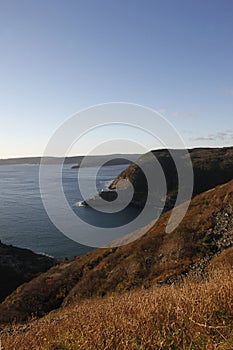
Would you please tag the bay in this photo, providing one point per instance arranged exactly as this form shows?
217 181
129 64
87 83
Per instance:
23 219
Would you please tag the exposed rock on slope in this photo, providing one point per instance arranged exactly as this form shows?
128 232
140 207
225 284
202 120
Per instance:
156 258
19 265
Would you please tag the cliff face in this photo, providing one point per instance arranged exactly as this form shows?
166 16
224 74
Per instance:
211 167
18 266
204 237
157 258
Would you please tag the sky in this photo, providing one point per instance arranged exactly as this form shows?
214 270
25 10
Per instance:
59 57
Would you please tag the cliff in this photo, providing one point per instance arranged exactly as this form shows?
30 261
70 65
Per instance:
211 167
155 259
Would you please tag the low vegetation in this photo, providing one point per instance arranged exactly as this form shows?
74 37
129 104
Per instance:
162 291
196 314
156 258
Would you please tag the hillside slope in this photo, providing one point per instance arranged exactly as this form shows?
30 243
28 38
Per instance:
19 265
195 314
156 258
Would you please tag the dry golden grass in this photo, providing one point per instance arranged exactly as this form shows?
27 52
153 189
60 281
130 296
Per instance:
194 315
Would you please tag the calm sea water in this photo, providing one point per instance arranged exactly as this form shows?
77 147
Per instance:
23 219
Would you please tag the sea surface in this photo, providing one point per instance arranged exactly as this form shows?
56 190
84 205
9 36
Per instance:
23 219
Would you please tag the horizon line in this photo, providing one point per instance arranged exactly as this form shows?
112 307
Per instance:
107 154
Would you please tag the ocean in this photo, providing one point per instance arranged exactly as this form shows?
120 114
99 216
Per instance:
23 219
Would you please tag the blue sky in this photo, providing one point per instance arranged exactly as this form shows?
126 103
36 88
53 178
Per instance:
58 57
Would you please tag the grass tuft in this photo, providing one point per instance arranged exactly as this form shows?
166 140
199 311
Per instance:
194 315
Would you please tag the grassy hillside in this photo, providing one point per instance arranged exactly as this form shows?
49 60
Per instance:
155 259
195 315
162 291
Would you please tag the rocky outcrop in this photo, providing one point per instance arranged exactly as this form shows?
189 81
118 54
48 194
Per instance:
108 196
218 238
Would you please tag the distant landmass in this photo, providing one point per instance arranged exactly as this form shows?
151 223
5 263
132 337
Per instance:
117 159
211 167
